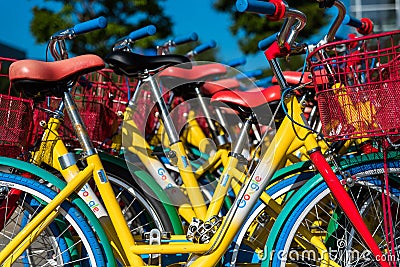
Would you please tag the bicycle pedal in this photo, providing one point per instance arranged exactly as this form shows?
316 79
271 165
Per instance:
154 239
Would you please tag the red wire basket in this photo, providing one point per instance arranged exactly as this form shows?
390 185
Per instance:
101 98
357 85
16 116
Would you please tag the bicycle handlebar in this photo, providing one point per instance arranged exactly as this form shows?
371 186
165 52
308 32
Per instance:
90 25
264 82
267 42
364 26
351 21
185 38
164 48
203 47
141 33
255 6
249 74
236 62
276 10
125 42
81 28
58 39
330 36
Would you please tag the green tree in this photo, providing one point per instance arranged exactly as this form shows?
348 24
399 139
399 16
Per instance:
252 28
123 17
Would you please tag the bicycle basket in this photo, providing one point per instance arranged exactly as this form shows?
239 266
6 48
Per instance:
15 116
358 86
99 96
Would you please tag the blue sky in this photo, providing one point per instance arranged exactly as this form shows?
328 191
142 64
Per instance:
188 16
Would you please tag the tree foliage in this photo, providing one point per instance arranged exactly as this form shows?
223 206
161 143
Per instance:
252 28
123 17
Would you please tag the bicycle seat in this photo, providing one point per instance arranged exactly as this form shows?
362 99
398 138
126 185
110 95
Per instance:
132 64
198 73
209 88
249 99
183 81
39 78
293 78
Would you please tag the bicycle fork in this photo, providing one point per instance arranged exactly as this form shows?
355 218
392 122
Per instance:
346 203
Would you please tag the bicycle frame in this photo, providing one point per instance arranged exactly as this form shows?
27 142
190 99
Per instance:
248 195
256 181
251 190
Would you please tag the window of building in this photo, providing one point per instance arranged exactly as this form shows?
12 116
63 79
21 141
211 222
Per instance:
384 13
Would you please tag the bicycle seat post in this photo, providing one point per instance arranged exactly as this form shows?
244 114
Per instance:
166 119
78 125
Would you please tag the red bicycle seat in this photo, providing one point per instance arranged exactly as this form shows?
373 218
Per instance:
211 87
293 78
248 99
196 73
38 78
54 71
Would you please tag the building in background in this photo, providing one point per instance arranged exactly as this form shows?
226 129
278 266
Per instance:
11 52
385 14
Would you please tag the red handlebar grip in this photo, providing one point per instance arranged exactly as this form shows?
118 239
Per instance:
367 27
280 9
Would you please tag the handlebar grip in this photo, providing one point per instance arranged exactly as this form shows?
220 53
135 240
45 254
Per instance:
267 42
254 73
186 38
351 21
90 25
203 47
264 82
364 26
256 7
236 62
143 32
249 74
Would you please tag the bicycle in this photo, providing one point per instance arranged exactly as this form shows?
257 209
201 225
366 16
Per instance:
369 121
138 209
129 244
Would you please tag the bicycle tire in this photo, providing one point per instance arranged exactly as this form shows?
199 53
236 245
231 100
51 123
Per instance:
343 243
9 165
91 250
249 243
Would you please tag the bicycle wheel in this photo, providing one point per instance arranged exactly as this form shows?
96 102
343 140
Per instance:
21 200
319 214
142 211
249 243
30 206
